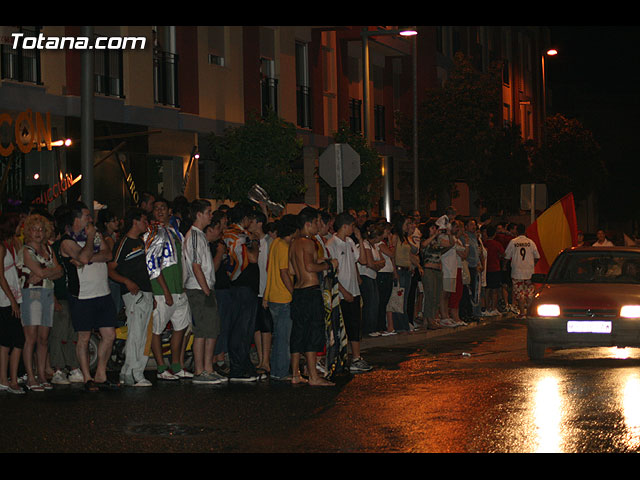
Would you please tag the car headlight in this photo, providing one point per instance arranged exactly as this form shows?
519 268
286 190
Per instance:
547 310
630 311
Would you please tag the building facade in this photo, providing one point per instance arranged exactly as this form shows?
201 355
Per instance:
155 106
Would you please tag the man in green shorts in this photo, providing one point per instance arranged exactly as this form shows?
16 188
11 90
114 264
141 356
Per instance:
163 246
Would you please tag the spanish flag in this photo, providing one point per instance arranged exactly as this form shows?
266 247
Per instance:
554 230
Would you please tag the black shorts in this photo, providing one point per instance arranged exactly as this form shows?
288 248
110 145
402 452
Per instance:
264 322
307 320
352 316
11 331
494 279
92 313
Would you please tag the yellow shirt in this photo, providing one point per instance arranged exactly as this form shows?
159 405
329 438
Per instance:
276 291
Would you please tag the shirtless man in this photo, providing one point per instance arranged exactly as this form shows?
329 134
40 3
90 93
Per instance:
307 307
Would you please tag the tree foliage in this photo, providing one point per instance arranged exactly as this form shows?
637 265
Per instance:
456 126
261 151
568 159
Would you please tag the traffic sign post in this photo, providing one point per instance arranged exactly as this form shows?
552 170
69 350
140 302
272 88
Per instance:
339 166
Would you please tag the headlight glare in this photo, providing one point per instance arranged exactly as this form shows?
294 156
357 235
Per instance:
547 310
630 311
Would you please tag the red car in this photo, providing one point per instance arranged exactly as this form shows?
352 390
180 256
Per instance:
590 298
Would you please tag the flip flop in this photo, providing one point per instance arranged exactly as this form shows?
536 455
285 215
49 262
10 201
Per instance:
107 385
35 388
90 386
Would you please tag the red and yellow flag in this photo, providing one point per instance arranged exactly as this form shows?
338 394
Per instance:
554 230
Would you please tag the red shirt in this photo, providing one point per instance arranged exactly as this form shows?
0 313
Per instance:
494 253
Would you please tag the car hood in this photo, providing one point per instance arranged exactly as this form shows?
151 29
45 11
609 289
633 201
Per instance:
593 295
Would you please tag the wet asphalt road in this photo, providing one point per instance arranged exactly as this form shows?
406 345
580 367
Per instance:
470 391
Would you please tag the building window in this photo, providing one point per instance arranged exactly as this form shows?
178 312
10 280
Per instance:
505 72
379 122
355 115
108 73
21 65
268 86
216 43
165 78
303 90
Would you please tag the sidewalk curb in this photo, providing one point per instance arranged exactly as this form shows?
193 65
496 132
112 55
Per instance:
423 334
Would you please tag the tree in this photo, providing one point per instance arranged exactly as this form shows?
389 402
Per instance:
568 159
504 167
365 189
456 127
262 152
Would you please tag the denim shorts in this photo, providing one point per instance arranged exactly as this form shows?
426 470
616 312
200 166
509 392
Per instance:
37 307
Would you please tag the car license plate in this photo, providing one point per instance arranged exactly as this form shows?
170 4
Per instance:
589 326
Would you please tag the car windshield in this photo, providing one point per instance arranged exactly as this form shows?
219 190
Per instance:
596 267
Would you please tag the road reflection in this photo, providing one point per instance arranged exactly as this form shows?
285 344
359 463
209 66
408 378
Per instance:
631 411
566 404
547 414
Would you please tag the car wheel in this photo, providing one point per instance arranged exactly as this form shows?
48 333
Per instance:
535 350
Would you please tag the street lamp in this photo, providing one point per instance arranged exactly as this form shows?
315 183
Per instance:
551 53
405 32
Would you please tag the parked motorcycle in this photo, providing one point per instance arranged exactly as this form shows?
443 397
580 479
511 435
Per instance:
117 357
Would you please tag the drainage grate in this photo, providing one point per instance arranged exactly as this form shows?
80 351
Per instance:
168 430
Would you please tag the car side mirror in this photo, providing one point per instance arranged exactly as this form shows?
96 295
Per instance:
538 278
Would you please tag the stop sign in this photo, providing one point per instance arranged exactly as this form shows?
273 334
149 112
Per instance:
350 164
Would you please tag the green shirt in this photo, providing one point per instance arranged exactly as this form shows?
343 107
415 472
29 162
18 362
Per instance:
172 274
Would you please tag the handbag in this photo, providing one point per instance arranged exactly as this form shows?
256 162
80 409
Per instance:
396 300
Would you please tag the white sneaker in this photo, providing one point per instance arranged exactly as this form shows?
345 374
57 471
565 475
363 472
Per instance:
143 383
447 322
183 374
76 376
167 375
59 378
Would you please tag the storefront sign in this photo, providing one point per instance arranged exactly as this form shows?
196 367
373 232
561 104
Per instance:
28 130
57 189
130 183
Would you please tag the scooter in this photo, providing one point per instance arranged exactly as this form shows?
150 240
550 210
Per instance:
117 357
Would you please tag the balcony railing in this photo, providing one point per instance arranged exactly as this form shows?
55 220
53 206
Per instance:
19 64
269 90
165 78
303 103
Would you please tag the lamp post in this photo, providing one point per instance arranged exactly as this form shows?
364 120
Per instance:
551 52
366 103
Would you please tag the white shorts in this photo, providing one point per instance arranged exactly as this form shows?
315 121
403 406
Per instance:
179 314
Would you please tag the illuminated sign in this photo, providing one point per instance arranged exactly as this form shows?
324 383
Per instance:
28 130
57 189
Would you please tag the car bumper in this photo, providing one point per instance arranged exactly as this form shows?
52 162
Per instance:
555 332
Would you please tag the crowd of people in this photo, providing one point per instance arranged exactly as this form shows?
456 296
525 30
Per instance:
243 284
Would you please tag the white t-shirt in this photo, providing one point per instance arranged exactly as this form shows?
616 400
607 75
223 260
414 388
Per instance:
388 264
365 269
347 255
449 261
606 243
523 253
263 258
11 275
195 249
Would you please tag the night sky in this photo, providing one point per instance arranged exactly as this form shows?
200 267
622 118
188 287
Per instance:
595 78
